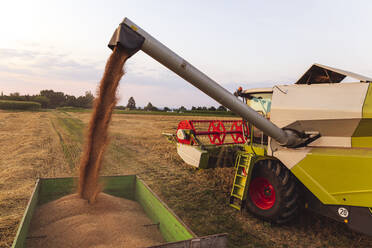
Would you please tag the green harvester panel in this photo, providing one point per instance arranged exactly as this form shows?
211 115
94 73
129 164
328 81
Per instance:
129 187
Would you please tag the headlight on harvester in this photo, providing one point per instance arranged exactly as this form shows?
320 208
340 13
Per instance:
181 134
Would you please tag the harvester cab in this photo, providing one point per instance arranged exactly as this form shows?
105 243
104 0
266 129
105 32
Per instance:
306 144
260 101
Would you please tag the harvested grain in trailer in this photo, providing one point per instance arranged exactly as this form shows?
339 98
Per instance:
110 222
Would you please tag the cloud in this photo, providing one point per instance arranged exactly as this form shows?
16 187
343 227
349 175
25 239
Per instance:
13 53
48 64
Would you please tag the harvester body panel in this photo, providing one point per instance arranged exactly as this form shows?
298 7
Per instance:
325 102
338 176
362 137
193 155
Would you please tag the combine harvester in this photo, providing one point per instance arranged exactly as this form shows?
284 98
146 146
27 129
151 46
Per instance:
310 140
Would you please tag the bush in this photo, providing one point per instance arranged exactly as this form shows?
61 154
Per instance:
19 105
43 100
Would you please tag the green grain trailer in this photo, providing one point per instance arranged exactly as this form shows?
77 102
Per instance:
174 231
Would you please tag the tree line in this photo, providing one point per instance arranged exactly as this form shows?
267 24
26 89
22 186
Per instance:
131 105
52 99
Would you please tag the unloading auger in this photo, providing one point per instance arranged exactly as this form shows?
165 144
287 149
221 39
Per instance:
316 138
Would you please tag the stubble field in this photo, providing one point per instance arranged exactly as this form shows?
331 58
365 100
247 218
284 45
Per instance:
48 144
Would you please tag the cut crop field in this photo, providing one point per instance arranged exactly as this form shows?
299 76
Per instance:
48 144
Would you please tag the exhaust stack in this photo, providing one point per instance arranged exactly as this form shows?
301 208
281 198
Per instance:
132 38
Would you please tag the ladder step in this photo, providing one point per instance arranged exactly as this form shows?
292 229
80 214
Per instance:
246 156
239 186
235 206
237 196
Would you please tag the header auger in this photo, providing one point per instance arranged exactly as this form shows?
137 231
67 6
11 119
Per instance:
312 138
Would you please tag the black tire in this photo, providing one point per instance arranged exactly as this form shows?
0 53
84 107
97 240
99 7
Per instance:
279 202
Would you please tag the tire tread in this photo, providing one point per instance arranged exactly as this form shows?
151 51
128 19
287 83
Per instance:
287 186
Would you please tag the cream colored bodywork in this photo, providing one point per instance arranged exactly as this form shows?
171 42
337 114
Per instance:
258 90
192 155
291 157
317 102
333 110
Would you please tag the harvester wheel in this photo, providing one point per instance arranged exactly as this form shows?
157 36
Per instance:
273 192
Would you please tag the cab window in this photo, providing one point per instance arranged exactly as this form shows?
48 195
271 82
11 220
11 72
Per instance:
261 102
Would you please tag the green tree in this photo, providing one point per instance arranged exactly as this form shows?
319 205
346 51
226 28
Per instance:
16 97
212 108
150 107
120 107
43 100
182 108
89 98
85 101
70 101
131 103
56 99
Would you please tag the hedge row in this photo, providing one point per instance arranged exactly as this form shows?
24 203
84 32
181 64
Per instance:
19 105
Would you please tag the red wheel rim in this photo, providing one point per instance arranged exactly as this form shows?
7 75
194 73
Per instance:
262 193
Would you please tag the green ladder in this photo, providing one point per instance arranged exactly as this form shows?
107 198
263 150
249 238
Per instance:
244 164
